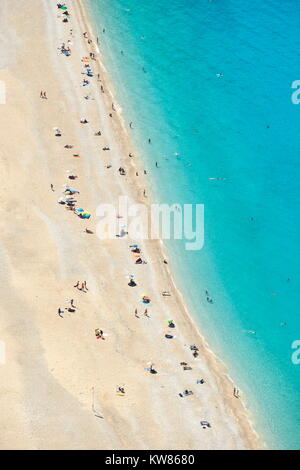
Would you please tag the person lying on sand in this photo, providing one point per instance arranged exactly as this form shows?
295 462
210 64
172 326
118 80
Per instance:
186 393
205 424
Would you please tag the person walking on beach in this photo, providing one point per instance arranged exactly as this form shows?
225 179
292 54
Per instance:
45 96
59 311
146 313
136 313
41 95
52 187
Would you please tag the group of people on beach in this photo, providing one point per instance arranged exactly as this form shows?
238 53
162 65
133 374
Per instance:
70 203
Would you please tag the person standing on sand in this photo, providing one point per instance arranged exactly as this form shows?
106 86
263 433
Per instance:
59 311
84 286
41 95
45 95
52 187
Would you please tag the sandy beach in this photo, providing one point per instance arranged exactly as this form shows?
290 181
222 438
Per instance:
59 381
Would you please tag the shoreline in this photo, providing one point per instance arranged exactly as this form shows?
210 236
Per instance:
219 367
64 366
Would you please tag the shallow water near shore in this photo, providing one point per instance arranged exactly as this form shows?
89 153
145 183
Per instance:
211 81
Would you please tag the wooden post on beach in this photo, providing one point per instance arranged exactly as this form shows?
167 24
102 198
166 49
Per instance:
93 404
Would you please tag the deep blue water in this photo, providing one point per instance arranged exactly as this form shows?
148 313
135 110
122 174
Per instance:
241 126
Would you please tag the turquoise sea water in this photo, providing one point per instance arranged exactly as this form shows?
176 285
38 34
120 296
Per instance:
241 126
